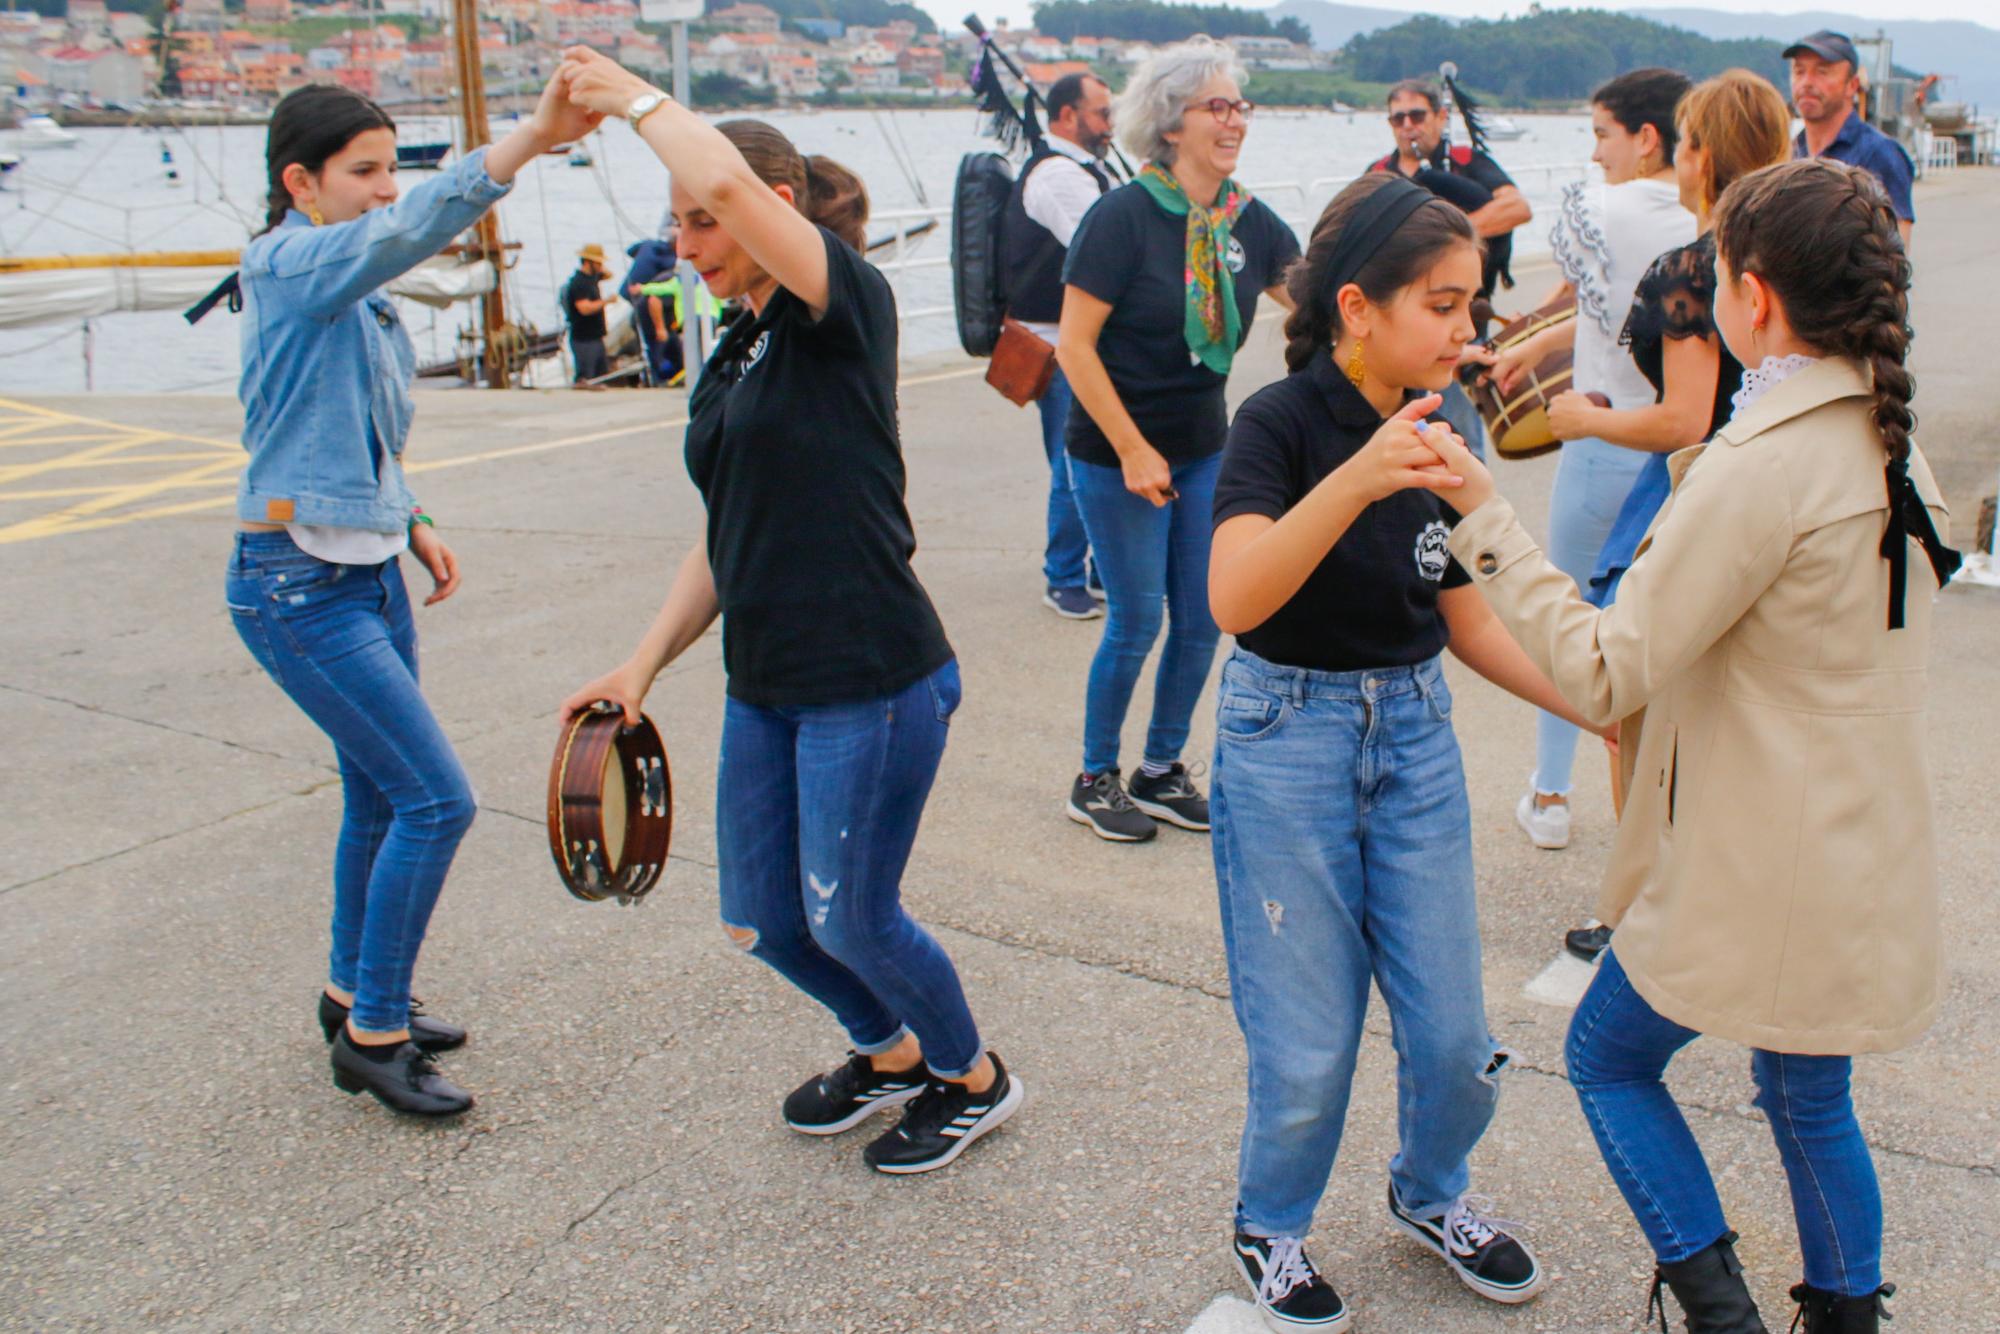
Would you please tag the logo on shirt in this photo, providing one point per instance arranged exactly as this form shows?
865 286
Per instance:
757 350
1432 554
1234 256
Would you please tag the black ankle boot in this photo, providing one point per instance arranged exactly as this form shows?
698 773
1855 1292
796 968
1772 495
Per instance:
1710 1289
406 1081
428 1033
1824 1313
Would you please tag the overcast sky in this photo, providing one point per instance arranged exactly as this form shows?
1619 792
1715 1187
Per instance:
949 13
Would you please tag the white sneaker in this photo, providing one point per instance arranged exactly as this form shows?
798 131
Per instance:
1547 826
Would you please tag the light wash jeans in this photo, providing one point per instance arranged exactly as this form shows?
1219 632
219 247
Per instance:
816 812
1063 558
1592 481
1150 559
339 640
1617 1053
1343 853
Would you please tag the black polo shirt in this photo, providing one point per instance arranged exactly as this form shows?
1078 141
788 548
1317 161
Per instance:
1131 253
1373 601
792 440
584 287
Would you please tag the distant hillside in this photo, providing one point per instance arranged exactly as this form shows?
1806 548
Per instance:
1153 21
1970 51
867 13
1332 25
1550 55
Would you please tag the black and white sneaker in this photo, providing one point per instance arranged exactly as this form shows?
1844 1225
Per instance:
1289 1292
1171 796
1486 1259
943 1121
844 1097
1099 800
1588 941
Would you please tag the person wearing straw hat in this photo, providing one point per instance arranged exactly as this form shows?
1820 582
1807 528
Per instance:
583 306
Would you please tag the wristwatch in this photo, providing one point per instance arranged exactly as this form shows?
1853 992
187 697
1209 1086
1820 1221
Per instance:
643 106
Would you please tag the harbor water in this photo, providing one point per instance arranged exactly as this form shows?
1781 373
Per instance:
112 193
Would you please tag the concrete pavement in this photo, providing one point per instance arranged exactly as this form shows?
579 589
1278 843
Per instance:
176 1158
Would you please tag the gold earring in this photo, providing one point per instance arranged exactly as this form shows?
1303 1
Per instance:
318 219
1356 366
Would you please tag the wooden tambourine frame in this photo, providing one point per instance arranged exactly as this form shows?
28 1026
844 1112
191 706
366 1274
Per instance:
611 806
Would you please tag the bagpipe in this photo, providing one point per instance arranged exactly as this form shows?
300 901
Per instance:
985 183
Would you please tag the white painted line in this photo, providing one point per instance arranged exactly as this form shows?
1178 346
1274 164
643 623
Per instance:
1562 983
1229 1315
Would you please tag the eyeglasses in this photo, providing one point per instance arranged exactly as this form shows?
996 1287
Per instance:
1415 116
1220 107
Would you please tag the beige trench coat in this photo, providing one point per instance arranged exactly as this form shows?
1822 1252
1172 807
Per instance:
1774 876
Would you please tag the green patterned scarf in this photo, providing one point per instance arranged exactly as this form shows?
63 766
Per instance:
1214 325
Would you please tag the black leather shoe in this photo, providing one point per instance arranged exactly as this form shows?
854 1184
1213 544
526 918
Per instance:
407 1082
428 1033
1710 1289
1829 1313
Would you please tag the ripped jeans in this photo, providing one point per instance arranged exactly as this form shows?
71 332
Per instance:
816 812
1343 853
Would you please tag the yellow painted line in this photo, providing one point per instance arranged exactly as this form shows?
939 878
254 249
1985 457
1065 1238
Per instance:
81 458
32 437
14 405
515 451
942 375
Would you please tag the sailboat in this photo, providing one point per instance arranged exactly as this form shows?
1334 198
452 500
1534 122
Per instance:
55 289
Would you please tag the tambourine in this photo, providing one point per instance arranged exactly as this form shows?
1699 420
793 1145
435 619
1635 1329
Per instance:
611 806
1518 422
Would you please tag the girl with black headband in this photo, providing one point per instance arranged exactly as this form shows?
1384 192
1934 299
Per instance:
1774 881
314 585
1342 831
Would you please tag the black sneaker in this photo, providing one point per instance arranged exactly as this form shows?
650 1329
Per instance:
1289 1292
1587 942
1486 1259
845 1097
1099 801
1173 797
942 1121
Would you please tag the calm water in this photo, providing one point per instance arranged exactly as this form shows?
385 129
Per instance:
110 193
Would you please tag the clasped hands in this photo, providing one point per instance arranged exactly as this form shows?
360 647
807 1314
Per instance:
1409 453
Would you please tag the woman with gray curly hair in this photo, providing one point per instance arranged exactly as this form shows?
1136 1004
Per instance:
1161 286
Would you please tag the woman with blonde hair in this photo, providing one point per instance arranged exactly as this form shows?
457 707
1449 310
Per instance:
1161 287
1729 126
830 742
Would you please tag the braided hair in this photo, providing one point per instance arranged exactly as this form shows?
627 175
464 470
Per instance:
1410 252
309 126
1822 236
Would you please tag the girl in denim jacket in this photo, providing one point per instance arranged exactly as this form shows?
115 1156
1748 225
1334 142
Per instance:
314 587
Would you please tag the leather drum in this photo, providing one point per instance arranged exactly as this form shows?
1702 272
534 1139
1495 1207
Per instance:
611 813
1518 422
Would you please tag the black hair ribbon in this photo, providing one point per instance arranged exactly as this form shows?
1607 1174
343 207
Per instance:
1909 518
229 289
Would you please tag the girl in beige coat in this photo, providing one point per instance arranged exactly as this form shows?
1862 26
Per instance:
1773 880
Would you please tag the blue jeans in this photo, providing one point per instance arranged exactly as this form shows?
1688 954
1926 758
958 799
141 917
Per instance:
1592 480
1062 561
1618 1050
816 811
1343 851
339 640
1147 555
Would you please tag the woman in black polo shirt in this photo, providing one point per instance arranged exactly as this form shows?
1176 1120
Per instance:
841 683
1343 837
1161 287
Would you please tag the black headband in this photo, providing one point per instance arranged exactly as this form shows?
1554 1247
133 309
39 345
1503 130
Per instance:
1373 222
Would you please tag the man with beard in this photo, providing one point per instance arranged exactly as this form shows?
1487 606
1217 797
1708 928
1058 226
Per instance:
1060 181
1826 77
1475 183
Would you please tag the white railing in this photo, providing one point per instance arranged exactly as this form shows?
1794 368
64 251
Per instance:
1297 202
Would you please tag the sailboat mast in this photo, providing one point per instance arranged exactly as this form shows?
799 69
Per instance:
472 107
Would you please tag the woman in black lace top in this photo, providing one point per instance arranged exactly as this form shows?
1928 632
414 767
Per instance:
1673 301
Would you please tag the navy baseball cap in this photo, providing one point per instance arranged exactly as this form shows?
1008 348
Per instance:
1827 45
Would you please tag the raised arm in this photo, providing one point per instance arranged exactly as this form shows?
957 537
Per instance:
759 217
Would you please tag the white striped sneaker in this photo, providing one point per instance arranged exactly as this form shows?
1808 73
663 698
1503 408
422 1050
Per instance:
846 1096
943 1122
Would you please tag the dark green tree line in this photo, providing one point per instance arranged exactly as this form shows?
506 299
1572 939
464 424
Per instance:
1151 21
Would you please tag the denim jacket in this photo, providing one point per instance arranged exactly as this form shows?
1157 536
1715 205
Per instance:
327 364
